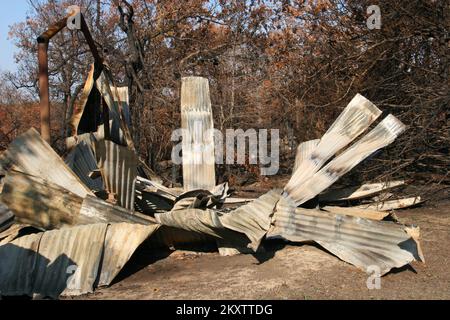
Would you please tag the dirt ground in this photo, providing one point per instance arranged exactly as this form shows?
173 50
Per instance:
288 271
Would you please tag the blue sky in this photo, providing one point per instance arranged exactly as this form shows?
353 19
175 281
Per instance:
11 11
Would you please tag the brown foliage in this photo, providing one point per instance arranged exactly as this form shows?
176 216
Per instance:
291 65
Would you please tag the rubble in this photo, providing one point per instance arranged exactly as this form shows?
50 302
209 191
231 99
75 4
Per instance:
86 214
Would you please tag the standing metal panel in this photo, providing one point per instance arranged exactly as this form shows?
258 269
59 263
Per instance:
198 138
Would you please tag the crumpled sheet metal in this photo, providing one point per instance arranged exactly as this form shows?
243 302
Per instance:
69 261
112 96
202 199
118 166
81 160
32 155
122 239
44 205
52 263
361 242
252 220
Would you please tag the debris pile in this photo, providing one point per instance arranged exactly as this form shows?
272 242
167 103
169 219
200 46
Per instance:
69 225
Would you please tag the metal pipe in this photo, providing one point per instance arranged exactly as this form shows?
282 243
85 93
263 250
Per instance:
44 91
43 41
91 43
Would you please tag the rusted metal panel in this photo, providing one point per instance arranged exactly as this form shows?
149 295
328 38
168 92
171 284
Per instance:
118 166
382 135
358 192
354 120
34 156
82 162
198 137
121 241
43 41
361 242
97 210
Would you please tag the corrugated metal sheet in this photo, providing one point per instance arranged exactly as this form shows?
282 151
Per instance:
112 95
382 135
69 261
252 220
121 241
122 99
354 120
118 166
304 151
358 192
82 162
95 210
18 260
36 157
198 140
361 242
